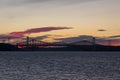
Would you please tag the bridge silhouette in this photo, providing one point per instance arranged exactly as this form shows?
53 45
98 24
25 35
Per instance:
37 43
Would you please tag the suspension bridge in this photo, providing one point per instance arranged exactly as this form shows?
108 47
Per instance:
37 43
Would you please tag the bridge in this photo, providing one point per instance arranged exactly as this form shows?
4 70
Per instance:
37 43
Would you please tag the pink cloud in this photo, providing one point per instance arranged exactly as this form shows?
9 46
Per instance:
38 30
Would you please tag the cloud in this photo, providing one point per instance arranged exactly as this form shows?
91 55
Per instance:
42 37
102 30
99 40
76 1
114 42
6 37
76 39
21 34
10 3
115 36
38 30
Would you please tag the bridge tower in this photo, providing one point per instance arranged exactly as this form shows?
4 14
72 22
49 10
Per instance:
27 39
94 40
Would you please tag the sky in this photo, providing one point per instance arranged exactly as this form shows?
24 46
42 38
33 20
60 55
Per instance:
60 19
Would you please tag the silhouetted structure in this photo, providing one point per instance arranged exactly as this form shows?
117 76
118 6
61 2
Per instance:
7 47
27 41
36 45
94 40
30 43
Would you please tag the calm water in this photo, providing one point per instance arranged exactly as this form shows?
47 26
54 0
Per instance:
59 66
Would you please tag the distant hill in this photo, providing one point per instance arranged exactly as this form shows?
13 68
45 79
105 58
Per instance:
83 42
7 47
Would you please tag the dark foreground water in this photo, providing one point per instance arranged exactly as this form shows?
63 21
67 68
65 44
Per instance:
59 66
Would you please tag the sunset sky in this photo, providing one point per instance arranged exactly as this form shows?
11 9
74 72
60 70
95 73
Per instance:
67 18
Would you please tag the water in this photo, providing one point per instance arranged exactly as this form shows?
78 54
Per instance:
59 66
